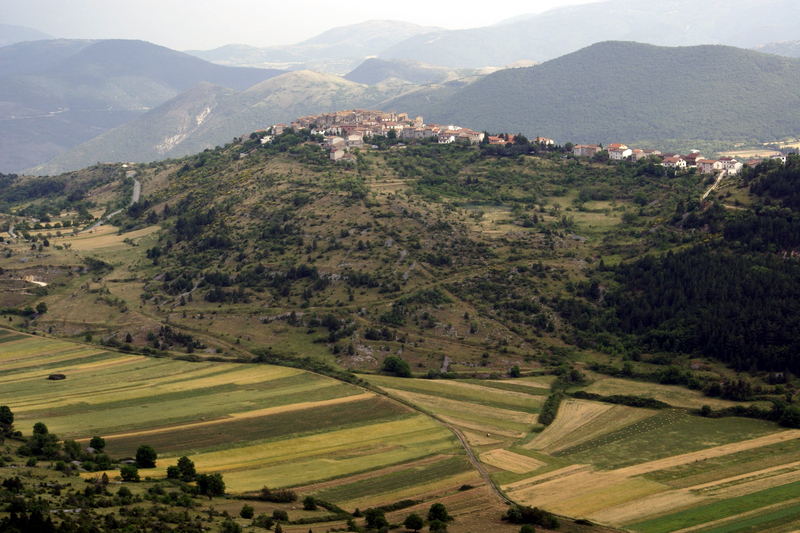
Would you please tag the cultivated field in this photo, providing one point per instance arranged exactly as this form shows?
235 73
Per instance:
257 424
639 469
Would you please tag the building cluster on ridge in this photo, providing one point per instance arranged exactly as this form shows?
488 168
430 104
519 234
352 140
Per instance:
694 159
345 130
349 129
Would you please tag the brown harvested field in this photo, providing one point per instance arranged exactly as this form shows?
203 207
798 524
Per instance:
649 506
467 410
489 432
479 439
631 497
106 237
572 415
582 422
510 461
549 476
671 501
748 154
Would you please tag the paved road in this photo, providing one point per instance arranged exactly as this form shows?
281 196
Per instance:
715 185
137 193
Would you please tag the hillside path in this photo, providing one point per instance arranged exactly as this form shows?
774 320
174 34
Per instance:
715 185
137 193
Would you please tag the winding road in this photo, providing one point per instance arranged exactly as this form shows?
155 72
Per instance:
137 193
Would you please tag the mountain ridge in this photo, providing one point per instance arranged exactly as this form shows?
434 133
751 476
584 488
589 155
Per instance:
632 92
73 90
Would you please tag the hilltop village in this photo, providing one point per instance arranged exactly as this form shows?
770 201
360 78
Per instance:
342 132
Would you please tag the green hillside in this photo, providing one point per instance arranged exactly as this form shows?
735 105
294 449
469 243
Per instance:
569 320
629 92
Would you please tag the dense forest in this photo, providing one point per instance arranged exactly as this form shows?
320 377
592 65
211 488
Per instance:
736 299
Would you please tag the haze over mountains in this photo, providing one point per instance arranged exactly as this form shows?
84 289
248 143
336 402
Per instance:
55 94
540 37
69 103
10 34
743 23
784 48
337 50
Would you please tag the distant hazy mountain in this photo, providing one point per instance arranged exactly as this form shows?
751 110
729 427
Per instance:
743 23
785 48
627 92
337 50
207 116
56 94
10 34
374 70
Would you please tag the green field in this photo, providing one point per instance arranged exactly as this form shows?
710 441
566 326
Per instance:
639 469
257 424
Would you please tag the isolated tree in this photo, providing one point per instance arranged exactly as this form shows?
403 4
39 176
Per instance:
41 308
97 443
146 456
375 519
413 522
395 365
186 469
309 503
211 485
438 512
280 515
129 473
247 511
6 421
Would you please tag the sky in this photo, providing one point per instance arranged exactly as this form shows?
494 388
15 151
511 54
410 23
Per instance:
205 24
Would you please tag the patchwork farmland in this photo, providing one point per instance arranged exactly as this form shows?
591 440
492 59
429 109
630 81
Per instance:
637 469
256 424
